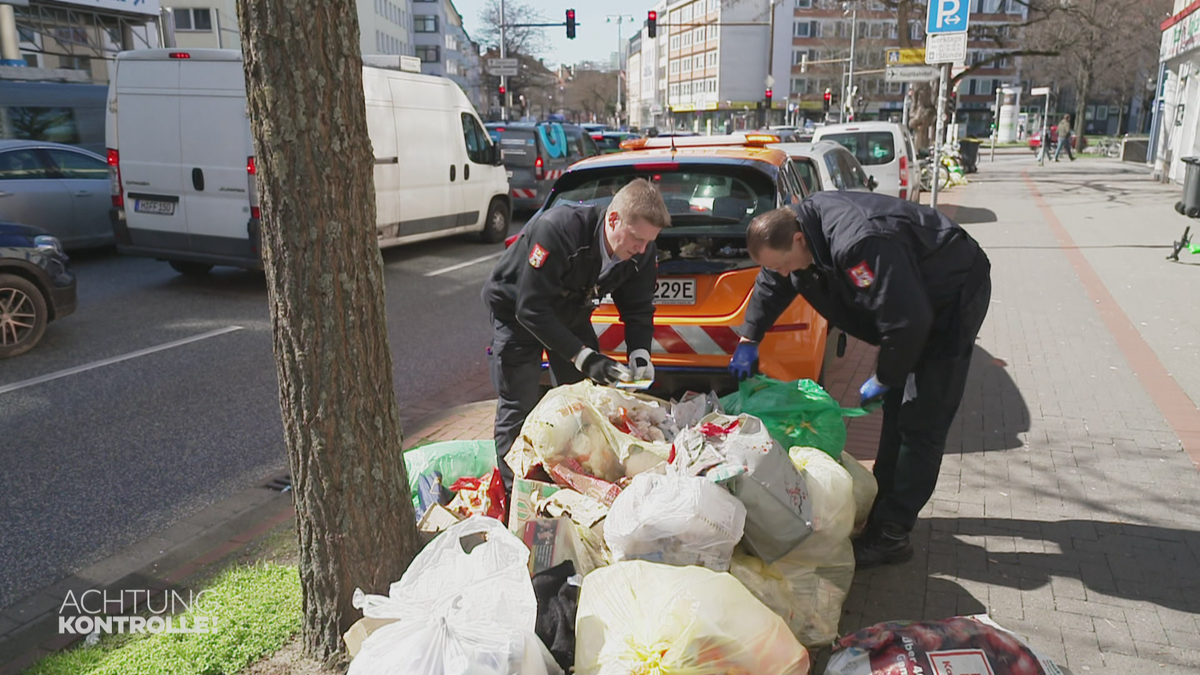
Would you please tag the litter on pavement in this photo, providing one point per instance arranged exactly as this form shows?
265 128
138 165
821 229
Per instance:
684 537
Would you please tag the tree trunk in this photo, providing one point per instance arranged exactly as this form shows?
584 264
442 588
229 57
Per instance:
355 520
1079 124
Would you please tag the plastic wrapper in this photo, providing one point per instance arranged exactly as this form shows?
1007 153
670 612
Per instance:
465 605
796 413
479 496
451 460
576 421
527 496
569 474
770 487
678 520
865 489
640 617
956 646
694 406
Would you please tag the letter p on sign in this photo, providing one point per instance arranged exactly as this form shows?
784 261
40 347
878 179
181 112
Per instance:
947 16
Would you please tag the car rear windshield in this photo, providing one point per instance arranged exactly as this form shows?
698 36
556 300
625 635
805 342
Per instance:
869 147
518 147
715 199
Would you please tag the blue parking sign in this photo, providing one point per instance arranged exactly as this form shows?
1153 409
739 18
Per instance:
947 16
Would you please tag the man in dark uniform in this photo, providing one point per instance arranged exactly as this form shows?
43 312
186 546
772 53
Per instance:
893 274
545 287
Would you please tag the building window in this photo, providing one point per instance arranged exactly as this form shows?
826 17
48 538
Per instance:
712 32
451 43
195 19
875 29
675 42
26 34
803 4
686 15
712 58
425 23
802 29
452 68
674 67
686 39
428 53
686 66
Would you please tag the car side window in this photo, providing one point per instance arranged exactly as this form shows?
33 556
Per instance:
835 171
798 187
22 165
852 174
476 139
808 175
76 165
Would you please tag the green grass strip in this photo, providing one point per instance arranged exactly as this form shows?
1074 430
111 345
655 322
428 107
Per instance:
256 608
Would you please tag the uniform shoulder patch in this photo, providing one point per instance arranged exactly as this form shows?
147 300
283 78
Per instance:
537 256
861 275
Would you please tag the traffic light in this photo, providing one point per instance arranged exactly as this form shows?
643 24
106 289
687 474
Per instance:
570 24
652 24
502 90
828 100
768 97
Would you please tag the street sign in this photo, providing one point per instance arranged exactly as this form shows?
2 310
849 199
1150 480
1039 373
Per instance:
910 74
903 57
1039 91
770 81
946 48
504 67
947 16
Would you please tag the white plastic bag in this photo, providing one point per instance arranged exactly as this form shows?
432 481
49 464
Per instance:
865 489
678 520
465 605
639 617
762 477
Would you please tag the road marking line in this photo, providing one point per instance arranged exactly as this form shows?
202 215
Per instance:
459 266
1176 407
4 389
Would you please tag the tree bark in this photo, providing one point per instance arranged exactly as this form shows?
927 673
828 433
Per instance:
355 520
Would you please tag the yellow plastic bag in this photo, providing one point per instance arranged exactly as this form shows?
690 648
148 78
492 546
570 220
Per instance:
808 598
651 619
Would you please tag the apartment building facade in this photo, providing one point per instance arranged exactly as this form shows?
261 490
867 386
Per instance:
445 48
1174 133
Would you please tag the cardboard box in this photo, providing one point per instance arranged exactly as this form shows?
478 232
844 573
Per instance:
360 631
436 519
552 541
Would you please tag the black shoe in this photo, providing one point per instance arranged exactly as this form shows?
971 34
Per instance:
887 544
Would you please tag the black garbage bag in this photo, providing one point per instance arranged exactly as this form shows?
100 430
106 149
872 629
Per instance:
557 604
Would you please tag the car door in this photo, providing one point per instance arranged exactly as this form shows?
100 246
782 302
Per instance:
476 187
809 175
85 178
31 194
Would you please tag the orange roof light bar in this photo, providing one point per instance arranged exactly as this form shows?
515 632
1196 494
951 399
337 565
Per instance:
740 139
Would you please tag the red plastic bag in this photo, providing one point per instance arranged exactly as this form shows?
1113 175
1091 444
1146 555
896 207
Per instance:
480 496
963 644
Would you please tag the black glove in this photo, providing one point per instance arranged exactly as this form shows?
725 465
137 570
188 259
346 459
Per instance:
597 367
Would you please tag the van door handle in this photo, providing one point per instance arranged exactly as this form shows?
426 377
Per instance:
83 193
453 169
198 179
466 172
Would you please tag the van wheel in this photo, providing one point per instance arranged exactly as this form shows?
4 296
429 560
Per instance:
23 315
495 229
190 269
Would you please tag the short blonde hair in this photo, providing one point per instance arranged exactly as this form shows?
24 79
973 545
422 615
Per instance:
640 200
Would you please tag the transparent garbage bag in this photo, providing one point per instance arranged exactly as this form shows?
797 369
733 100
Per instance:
641 617
865 489
678 520
465 606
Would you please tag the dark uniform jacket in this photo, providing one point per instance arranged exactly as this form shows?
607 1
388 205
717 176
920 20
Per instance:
887 271
549 281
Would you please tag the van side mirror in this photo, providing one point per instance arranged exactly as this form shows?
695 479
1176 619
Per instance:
872 183
496 156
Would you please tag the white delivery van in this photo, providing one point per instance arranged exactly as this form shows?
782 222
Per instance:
885 150
182 160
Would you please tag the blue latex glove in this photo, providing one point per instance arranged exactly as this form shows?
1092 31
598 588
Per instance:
744 363
871 392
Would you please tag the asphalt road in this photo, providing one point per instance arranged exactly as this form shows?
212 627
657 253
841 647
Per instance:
96 460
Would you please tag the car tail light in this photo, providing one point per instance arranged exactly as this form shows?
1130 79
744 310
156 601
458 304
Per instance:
539 169
114 179
903 176
179 55
252 186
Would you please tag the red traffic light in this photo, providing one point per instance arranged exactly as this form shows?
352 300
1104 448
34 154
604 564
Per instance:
768 93
570 24
501 90
652 24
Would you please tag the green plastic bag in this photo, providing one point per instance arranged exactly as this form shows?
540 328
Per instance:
453 459
798 413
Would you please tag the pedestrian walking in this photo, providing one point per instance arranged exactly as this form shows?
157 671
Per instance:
894 274
1064 138
544 288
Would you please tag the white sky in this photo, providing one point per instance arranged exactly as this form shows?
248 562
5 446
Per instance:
595 39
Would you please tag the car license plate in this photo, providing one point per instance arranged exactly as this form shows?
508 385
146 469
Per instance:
154 206
675 292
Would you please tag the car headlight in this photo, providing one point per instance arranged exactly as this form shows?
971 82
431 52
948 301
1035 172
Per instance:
46 243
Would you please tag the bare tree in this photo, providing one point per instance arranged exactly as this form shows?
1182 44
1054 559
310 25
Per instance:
354 515
519 40
592 93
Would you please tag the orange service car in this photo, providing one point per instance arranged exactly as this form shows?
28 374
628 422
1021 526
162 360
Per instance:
713 187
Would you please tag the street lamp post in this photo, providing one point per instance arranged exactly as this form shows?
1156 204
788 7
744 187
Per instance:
849 99
620 18
503 78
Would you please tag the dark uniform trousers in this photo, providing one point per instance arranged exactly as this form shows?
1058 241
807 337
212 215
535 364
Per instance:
515 363
917 419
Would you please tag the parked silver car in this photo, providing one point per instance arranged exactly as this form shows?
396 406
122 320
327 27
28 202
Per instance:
827 165
62 189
